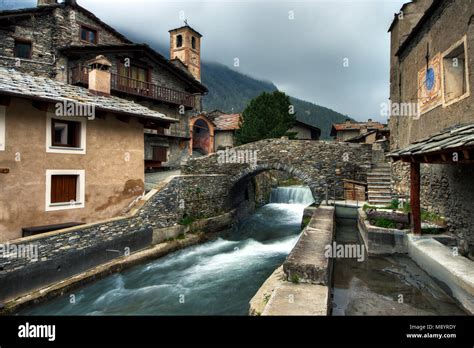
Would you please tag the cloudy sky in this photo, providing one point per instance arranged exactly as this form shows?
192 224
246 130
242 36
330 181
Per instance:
301 46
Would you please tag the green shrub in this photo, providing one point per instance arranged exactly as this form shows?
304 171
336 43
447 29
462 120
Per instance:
305 221
295 279
187 220
384 223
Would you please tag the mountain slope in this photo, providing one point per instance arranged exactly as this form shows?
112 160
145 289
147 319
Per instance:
230 91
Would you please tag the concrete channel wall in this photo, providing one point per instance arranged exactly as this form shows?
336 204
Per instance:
302 286
381 241
452 271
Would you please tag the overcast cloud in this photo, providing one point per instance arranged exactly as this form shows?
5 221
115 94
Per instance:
303 56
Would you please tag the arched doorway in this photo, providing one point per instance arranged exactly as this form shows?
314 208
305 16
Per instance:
202 136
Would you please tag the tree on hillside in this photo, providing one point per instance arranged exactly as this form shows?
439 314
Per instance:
269 115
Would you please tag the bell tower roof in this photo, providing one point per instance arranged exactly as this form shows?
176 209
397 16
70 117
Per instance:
188 28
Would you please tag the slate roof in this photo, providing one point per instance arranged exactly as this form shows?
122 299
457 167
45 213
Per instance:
227 122
360 137
450 139
19 84
353 126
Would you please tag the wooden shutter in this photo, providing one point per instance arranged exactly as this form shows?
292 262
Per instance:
160 154
63 188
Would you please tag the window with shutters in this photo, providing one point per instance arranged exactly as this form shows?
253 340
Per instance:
160 154
64 189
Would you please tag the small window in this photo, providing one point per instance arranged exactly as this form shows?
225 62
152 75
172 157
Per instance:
65 189
160 154
66 133
193 42
22 49
179 41
88 35
455 74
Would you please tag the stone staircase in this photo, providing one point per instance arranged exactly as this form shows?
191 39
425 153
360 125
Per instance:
379 184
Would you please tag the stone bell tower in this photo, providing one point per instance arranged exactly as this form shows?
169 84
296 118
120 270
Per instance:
185 45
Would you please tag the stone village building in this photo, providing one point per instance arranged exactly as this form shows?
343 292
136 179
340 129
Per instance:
69 170
56 40
432 67
215 130
63 170
361 132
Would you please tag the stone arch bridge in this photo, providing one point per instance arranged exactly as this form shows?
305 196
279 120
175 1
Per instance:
321 165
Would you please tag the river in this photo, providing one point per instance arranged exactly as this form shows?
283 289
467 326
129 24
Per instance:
215 278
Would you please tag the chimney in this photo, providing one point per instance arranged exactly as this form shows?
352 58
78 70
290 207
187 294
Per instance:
47 2
99 75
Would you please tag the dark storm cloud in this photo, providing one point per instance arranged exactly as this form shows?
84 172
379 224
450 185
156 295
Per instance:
303 56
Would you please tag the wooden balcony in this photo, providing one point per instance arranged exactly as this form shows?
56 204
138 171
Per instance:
80 76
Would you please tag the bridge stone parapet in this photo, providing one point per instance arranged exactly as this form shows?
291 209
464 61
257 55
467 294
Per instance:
320 164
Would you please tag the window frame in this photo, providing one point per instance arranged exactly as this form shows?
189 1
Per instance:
3 127
23 41
68 124
51 148
80 189
89 30
462 41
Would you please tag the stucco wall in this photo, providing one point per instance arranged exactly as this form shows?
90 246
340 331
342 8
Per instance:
302 133
111 182
223 139
443 30
445 189
347 134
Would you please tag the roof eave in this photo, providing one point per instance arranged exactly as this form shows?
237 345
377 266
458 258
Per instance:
99 108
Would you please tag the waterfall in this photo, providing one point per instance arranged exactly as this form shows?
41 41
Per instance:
292 195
